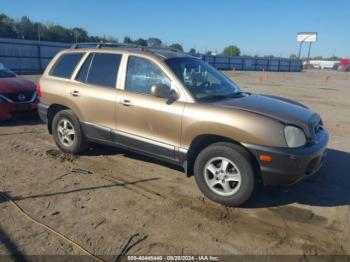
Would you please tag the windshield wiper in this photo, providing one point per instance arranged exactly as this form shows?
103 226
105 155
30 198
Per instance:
237 94
227 96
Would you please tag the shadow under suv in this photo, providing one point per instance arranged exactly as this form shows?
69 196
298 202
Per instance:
175 107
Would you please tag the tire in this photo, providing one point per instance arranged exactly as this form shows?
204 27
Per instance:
228 169
68 142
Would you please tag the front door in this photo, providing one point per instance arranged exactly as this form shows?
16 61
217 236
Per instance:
145 122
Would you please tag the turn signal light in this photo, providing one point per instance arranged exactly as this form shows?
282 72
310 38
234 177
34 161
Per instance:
265 158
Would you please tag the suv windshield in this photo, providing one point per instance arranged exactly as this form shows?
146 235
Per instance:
4 73
201 79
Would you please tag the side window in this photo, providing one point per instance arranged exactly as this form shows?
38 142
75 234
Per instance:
66 64
100 69
104 69
83 72
142 74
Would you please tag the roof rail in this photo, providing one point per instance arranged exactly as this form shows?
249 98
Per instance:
101 45
117 45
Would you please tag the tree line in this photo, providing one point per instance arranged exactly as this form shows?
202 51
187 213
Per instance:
24 28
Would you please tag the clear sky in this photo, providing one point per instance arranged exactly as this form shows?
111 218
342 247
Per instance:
261 27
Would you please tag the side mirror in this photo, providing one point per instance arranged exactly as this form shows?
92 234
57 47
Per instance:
163 91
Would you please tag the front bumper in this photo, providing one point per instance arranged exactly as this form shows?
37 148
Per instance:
8 110
289 165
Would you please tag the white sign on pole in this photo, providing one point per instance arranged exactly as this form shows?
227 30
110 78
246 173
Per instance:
307 37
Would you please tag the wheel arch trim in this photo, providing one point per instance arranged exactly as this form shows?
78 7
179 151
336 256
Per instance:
188 156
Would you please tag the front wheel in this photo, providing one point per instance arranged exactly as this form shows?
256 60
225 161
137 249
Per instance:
224 173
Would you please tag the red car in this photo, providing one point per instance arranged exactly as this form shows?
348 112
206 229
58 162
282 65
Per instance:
17 95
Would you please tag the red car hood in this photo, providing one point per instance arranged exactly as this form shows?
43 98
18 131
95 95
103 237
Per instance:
15 85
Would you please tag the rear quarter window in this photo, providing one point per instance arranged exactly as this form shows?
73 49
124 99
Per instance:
65 65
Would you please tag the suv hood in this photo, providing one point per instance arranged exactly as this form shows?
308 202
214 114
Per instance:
278 108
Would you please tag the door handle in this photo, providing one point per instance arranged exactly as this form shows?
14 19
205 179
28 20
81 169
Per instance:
75 93
125 102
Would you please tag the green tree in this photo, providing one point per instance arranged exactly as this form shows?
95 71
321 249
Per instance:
58 33
26 29
177 46
231 50
7 27
96 39
141 42
334 58
154 42
127 40
111 39
192 51
82 34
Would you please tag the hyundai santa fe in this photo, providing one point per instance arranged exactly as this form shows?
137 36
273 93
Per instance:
175 107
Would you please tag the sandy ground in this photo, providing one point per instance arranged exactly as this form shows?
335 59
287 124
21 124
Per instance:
127 194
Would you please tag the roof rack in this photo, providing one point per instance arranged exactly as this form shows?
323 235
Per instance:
101 45
117 45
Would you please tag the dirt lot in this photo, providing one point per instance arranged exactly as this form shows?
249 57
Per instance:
127 194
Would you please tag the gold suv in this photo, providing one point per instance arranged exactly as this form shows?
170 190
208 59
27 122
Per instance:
172 106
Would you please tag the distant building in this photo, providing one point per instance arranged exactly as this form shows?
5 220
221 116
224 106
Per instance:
321 64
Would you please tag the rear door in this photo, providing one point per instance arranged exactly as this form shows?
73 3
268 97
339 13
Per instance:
92 93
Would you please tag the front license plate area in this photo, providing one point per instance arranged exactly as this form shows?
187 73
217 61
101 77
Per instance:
23 107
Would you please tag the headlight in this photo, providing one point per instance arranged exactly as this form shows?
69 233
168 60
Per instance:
295 137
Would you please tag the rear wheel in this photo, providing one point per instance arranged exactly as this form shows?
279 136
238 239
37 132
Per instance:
224 173
67 132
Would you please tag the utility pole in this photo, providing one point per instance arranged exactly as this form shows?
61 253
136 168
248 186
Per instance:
74 34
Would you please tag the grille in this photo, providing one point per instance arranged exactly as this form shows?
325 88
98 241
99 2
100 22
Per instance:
16 97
